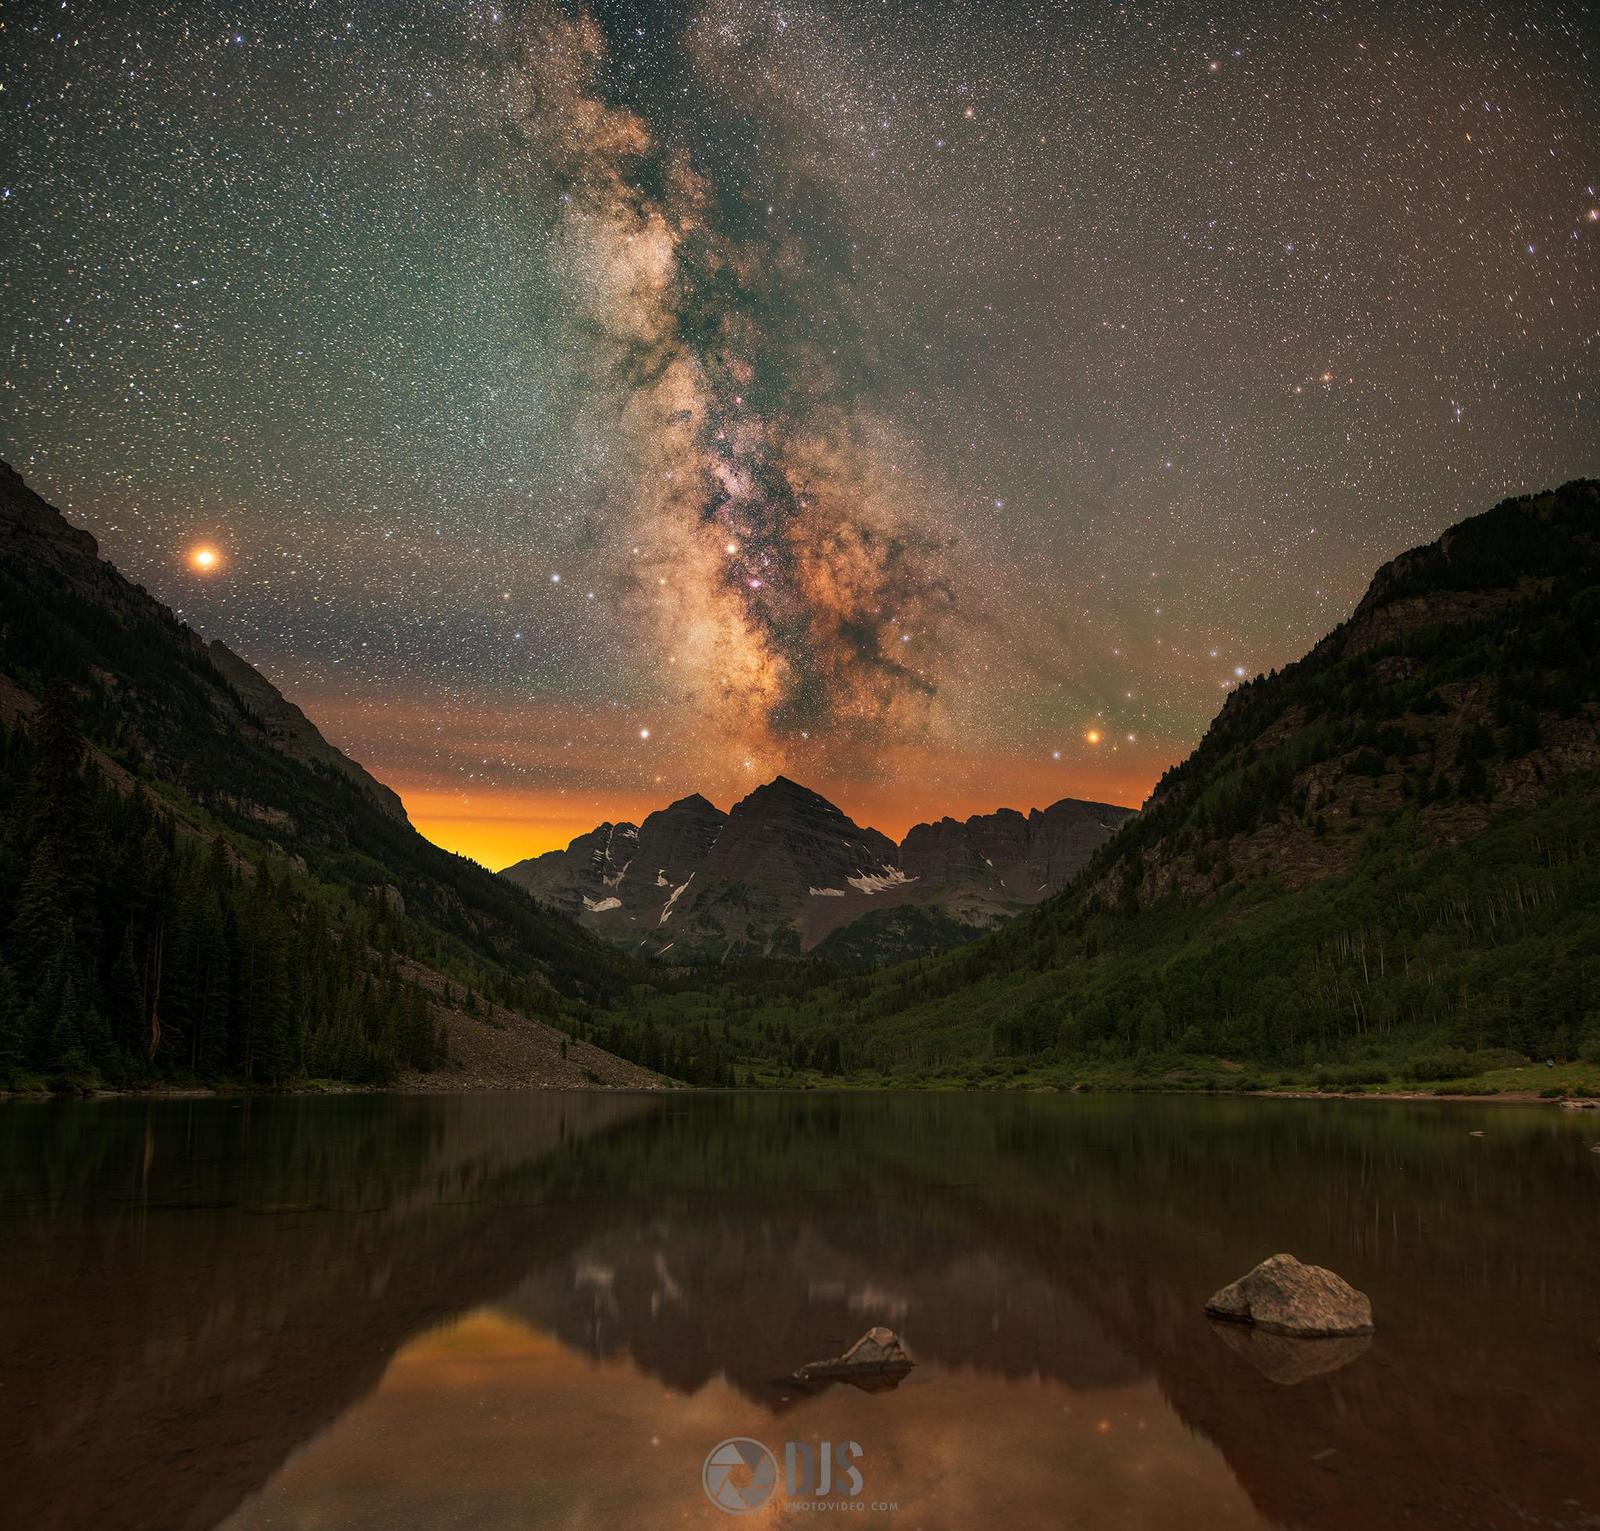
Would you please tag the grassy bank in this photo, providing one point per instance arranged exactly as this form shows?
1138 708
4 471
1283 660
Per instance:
1511 1082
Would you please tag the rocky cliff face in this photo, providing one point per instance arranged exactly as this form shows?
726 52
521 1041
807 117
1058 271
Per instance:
1017 858
673 843
584 875
784 835
787 872
621 876
1460 687
783 849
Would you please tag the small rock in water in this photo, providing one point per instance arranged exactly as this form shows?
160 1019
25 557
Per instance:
877 1360
1282 1296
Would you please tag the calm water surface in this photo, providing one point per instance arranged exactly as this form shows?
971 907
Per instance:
544 1310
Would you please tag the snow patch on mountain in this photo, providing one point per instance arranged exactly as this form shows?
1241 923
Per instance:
879 882
666 911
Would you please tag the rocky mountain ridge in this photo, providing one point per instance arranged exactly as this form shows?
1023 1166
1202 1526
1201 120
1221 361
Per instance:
1450 691
1387 842
786 873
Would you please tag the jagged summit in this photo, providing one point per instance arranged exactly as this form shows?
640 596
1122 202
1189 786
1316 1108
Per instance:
785 871
694 802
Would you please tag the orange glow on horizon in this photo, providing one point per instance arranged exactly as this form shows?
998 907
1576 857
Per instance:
500 826
399 740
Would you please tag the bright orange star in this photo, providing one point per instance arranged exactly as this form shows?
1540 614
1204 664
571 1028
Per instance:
204 559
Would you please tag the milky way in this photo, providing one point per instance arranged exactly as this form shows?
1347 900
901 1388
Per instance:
944 403
786 574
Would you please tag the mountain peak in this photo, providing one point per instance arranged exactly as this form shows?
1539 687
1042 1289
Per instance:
785 870
786 784
1478 567
783 793
693 803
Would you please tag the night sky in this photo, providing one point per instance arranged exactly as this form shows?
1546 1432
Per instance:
942 403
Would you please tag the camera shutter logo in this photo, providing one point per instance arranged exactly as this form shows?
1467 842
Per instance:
723 1465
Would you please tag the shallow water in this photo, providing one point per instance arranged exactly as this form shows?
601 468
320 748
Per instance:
545 1310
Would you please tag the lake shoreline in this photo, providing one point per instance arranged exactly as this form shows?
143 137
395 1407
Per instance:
242 1092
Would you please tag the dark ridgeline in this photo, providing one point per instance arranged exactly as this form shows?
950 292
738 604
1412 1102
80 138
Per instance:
786 874
1387 848
194 884
1390 845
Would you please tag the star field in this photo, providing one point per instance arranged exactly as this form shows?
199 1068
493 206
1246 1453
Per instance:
944 404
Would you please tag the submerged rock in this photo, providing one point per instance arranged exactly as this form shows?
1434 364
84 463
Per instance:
1282 1296
877 1360
1288 1361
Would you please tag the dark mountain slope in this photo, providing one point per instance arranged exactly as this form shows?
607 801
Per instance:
159 701
621 876
1392 843
1464 684
195 885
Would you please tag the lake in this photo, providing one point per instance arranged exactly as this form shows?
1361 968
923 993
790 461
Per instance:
546 1310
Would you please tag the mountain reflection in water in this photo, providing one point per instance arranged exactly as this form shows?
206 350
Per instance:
520 1310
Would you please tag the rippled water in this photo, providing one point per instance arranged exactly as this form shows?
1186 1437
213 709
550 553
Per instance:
545 1310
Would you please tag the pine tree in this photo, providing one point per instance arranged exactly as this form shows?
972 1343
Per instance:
58 787
13 1033
129 1015
40 915
64 1051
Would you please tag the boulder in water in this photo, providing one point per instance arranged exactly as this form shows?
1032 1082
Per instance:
1282 1296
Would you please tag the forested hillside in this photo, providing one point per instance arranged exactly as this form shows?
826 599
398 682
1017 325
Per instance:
194 885
1382 862
1384 859
134 953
